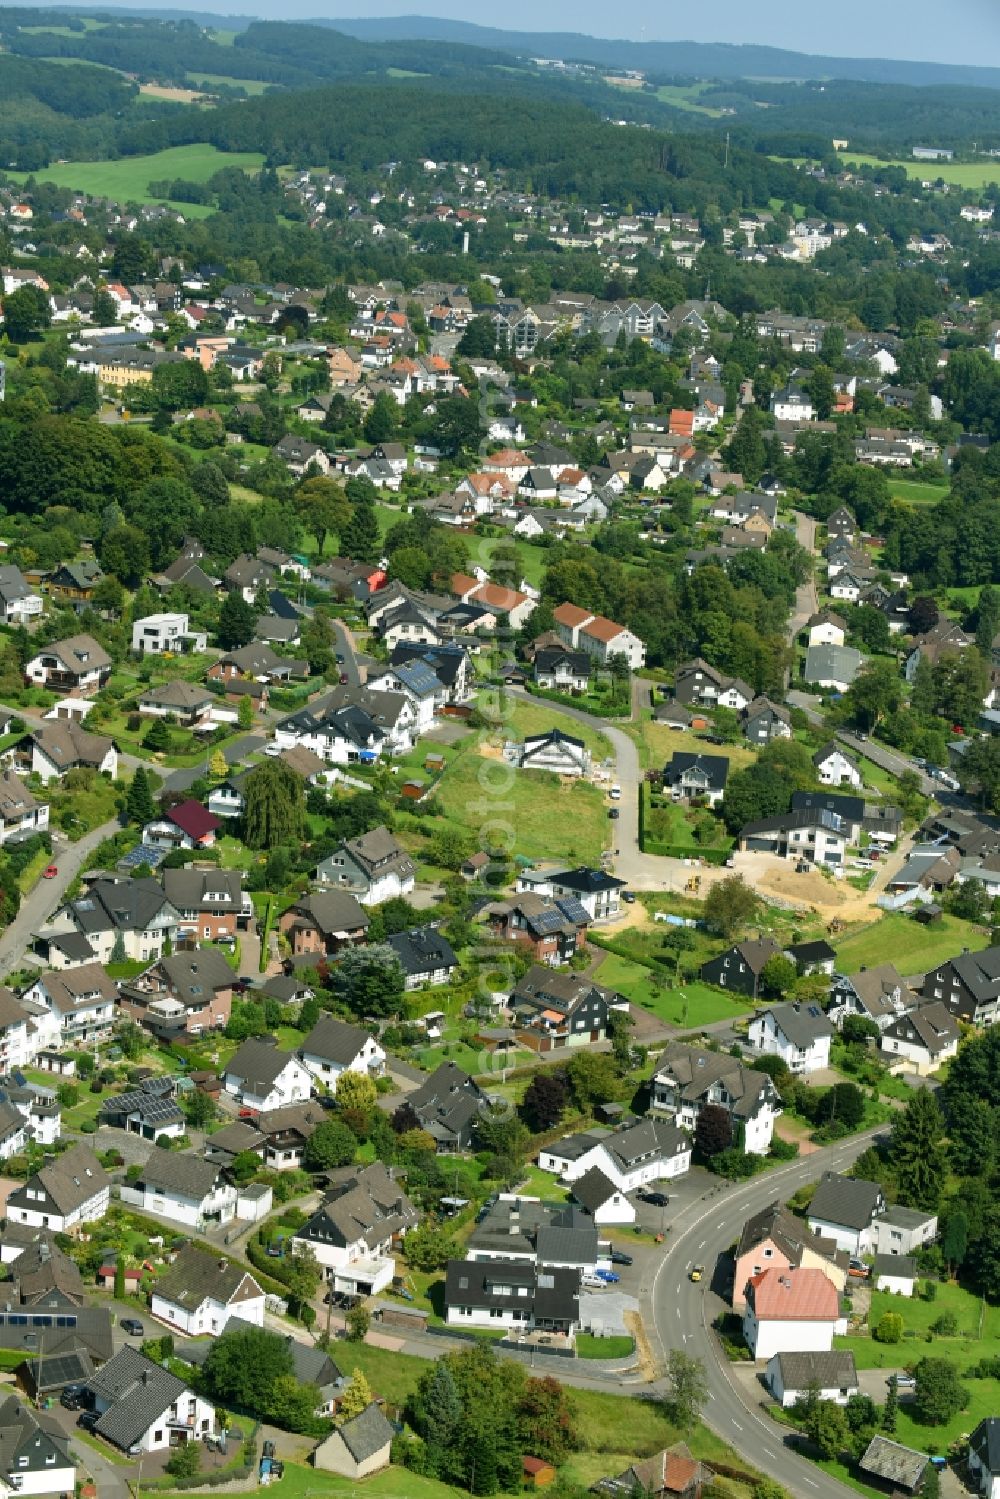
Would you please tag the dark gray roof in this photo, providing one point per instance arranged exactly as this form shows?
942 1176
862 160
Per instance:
366 1206
845 1200
29 1440
68 1181
191 888
259 1064
894 1462
593 1189
367 1433
552 1293
826 1371
559 1245
334 1041
139 1390
985 1443
714 768
197 1276
192 976
802 1024
180 1172
422 950
896 1264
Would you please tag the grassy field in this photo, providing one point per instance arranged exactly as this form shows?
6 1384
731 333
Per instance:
251 85
129 177
915 492
898 939
692 1004
686 96
964 1350
972 174
656 744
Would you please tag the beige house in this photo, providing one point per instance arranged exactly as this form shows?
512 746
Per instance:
360 1447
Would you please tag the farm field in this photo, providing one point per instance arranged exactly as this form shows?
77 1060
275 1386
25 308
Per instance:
251 85
913 949
686 96
972 174
130 176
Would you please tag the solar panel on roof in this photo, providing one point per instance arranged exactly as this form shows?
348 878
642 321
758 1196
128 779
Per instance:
548 921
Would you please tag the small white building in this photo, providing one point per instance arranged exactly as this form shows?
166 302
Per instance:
259 1075
166 634
795 1376
563 753
895 1273
835 768
791 1311
333 1047
606 1203
799 1034
199 1292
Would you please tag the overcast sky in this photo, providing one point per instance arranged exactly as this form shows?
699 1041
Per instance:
965 31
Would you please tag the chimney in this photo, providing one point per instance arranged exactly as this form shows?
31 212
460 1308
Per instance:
223 1264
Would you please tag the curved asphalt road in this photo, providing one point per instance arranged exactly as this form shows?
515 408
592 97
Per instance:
683 1313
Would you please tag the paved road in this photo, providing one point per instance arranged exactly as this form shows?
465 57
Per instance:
683 1314
345 646
40 903
887 759
806 599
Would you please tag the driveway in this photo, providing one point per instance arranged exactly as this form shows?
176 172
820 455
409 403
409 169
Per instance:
47 896
806 600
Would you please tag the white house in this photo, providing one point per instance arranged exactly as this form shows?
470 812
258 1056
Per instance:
513 1295
827 628
200 1291
184 1188
20 812
895 1273
163 634
600 637
353 1232
799 1034
36 1456
828 1376
922 1040
76 666
835 768
984 1453
81 1002
791 1311
60 745
72 1189
556 751
333 1047
650 1151
902 1230
374 868
844 1208
259 1075
687 1079
143 1406
18 1046
606 1203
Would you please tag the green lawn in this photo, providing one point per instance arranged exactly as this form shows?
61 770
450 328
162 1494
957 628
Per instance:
539 717
692 1004
588 1346
912 948
250 85
300 1482
686 96
534 1182
915 492
972 174
130 176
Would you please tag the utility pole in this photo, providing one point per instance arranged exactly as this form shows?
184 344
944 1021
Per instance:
727 149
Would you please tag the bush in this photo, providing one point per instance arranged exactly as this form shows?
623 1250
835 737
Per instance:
945 1326
783 1150
88 1127
889 1328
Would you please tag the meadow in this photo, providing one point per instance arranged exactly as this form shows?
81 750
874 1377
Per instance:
128 178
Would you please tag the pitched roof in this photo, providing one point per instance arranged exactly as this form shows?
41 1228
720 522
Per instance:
790 1234
258 1064
67 743
332 911
80 654
70 1180
802 1024
181 1173
795 1295
826 1371
197 1276
194 819
334 1041
893 1462
593 1189
847 1201
422 950
367 1433
139 1391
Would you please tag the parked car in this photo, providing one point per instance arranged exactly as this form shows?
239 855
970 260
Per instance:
70 1397
655 1199
628 896
619 1257
276 1247
132 1326
87 1420
613 814
608 1276
858 1268
49 872
592 1282
904 1381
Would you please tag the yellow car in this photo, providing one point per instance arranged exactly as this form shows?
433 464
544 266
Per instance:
696 1272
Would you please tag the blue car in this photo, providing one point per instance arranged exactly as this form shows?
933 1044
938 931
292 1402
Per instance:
608 1276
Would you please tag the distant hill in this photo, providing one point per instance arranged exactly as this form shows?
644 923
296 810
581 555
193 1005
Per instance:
697 59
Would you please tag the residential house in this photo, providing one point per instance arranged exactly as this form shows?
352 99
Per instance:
374 868
640 1152
125 918
75 667
878 994
968 985
687 1079
984 1443
210 902
148 1111
597 891
34 1451
561 670
775 1236
200 1292
555 750
598 1196
792 1377
552 929
560 1009
71 1190
800 1034
536 1232
811 834
186 825
835 768
284 1134
21 814
186 702
448 1105
324 922
832 667
18 1033
599 637
352 724
300 456
670 1474
826 628
946 638
844 1208
922 1040
764 720
700 778
513 1296
358 1447
740 967
425 956
353 1232
142 1406
791 1311
259 1075
166 634
190 992
19 603
77 1005
58 745
333 1047
72 585
183 1188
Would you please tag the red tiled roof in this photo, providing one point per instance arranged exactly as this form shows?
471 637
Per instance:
570 615
194 819
797 1295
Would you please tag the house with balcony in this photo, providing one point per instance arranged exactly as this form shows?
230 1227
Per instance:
18 1034
21 813
187 702
561 670
143 1407
880 994
81 1002
260 1076
561 1009
552 930
187 825
687 1079
199 1292
167 634
75 667
131 918
565 754
71 1190
185 1188
922 1040
352 1234
19 603
189 991
513 1296
210 902
800 1034
696 777
333 1047
285 1133
641 1152
373 867
596 890
34 1451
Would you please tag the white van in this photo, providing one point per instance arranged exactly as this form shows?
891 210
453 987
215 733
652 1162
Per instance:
615 793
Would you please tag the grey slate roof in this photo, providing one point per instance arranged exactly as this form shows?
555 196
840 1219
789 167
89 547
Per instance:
29 1440
802 1024
197 1276
422 950
367 1433
593 1189
68 1181
334 1041
180 1172
904 1265
845 1200
258 1064
894 1462
985 1443
827 1371
139 1390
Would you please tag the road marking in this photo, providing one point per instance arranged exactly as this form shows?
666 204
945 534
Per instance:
810 1481
738 1426
703 1243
